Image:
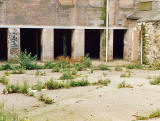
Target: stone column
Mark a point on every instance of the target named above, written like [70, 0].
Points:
[13, 43]
[78, 43]
[47, 42]
[102, 45]
[110, 45]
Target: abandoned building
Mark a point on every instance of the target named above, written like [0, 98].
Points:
[75, 28]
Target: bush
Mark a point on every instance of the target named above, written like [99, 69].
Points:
[156, 81]
[26, 60]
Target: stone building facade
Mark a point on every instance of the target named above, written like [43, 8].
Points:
[74, 28]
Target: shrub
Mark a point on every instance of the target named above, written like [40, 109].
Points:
[26, 60]
[134, 66]
[156, 81]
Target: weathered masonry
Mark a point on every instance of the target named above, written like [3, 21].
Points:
[71, 28]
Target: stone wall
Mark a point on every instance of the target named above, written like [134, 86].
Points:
[51, 12]
[152, 40]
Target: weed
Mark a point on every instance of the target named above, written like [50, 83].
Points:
[118, 68]
[6, 66]
[155, 114]
[3, 80]
[39, 73]
[19, 71]
[134, 66]
[48, 65]
[26, 60]
[123, 75]
[156, 81]
[31, 94]
[24, 88]
[83, 82]
[79, 66]
[4, 91]
[66, 75]
[104, 74]
[104, 82]
[124, 85]
[87, 61]
[39, 86]
[141, 118]
[103, 67]
[55, 69]
[52, 84]
[45, 99]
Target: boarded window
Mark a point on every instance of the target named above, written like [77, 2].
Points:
[96, 3]
[144, 6]
[66, 2]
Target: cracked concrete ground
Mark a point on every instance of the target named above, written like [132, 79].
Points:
[91, 103]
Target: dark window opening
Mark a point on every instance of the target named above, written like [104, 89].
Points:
[3, 44]
[62, 42]
[92, 43]
[31, 41]
[118, 44]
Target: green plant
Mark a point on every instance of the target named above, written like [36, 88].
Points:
[3, 80]
[6, 66]
[26, 60]
[156, 81]
[31, 94]
[66, 75]
[56, 69]
[134, 66]
[19, 71]
[52, 84]
[87, 61]
[39, 86]
[45, 99]
[104, 82]
[24, 88]
[118, 68]
[39, 73]
[79, 66]
[103, 67]
[142, 118]
[4, 91]
[124, 85]
[83, 82]
[48, 65]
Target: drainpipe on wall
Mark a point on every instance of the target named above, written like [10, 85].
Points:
[107, 28]
[141, 49]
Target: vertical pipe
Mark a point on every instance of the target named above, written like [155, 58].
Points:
[141, 48]
[107, 29]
